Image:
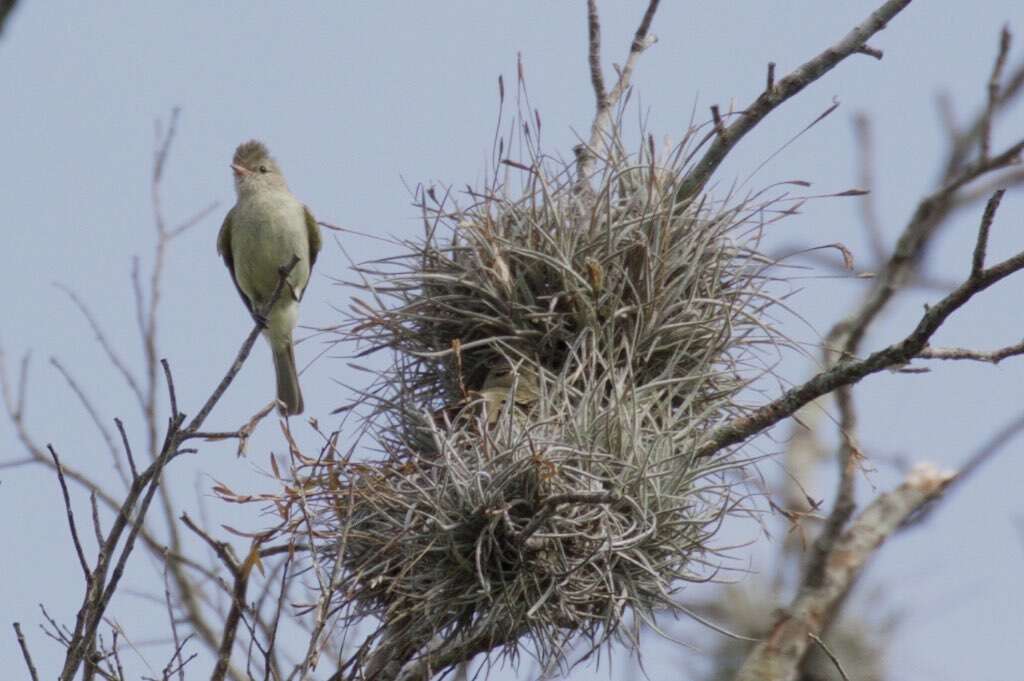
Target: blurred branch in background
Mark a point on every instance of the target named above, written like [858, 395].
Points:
[6, 7]
[958, 187]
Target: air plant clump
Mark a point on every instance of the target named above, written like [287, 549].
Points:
[560, 348]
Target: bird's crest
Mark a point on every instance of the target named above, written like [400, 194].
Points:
[251, 153]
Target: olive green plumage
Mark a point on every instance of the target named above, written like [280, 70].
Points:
[264, 229]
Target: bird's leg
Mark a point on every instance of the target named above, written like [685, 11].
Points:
[258, 310]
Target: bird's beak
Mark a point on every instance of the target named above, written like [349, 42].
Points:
[239, 170]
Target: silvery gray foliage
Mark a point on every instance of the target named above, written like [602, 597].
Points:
[560, 346]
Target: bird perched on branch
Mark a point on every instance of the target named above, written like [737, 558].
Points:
[260, 234]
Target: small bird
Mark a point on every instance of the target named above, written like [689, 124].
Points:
[500, 381]
[260, 234]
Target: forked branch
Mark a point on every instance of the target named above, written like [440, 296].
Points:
[851, 371]
[855, 42]
[779, 655]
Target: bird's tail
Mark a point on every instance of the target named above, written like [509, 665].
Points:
[288, 391]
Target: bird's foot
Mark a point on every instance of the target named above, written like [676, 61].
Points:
[260, 319]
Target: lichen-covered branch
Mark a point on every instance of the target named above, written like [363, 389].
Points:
[778, 656]
[990, 356]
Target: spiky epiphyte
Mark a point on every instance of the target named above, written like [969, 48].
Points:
[559, 354]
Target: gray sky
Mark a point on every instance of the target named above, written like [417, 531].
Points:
[355, 99]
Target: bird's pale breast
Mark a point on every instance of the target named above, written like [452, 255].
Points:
[266, 231]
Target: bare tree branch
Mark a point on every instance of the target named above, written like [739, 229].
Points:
[101, 337]
[851, 371]
[990, 356]
[25, 653]
[993, 91]
[850, 458]
[594, 56]
[189, 592]
[981, 244]
[770, 99]
[778, 656]
[601, 141]
[831, 656]
[136, 504]
[240, 575]
[849, 455]
[71, 517]
[90, 408]
[243, 352]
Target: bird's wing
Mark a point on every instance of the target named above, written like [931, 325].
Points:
[224, 249]
[313, 237]
[313, 233]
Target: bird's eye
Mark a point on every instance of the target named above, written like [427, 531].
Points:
[263, 169]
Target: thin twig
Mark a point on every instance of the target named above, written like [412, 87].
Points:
[90, 409]
[845, 498]
[831, 655]
[170, 388]
[270, 663]
[594, 55]
[25, 653]
[240, 574]
[805, 74]
[127, 448]
[173, 623]
[981, 245]
[983, 455]
[191, 222]
[965, 140]
[852, 371]
[871, 52]
[222, 549]
[71, 516]
[866, 180]
[242, 434]
[97, 527]
[846, 335]
[993, 92]
[779, 655]
[101, 337]
[990, 356]
[716, 118]
[244, 351]
[600, 144]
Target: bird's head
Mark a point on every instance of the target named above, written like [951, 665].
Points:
[255, 169]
